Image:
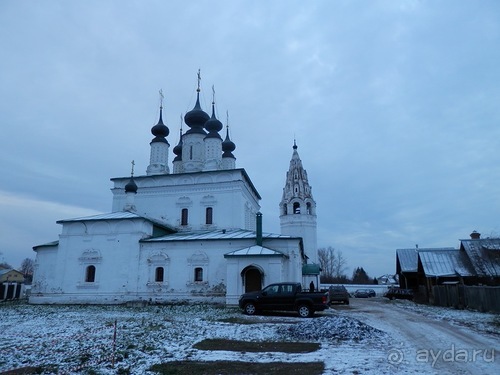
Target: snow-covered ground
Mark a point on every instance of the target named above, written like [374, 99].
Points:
[356, 339]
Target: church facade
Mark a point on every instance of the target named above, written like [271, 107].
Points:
[190, 234]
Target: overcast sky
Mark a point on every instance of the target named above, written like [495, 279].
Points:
[395, 106]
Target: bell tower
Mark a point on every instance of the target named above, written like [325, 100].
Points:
[298, 208]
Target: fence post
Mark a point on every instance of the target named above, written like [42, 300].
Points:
[114, 346]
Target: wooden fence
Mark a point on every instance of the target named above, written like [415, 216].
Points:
[481, 298]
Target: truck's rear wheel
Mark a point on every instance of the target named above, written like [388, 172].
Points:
[250, 309]
[305, 311]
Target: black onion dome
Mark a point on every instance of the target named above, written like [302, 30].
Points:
[131, 187]
[213, 125]
[196, 118]
[178, 149]
[228, 146]
[160, 130]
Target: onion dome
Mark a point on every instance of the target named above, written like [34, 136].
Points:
[228, 146]
[131, 186]
[213, 126]
[160, 130]
[196, 118]
[178, 149]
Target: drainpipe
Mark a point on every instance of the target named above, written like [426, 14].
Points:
[259, 229]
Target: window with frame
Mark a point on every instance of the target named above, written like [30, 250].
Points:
[90, 274]
[184, 216]
[159, 274]
[209, 215]
[198, 274]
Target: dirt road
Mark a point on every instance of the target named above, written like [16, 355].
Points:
[426, 338]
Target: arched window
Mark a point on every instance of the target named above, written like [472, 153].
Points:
[198, 274]
[296, 208]
[90, 274]
[159, 272]
[184, 216]
[308, 208]
[209, 215]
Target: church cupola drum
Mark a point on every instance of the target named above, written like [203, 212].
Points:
[298, 208]
[193, 145]
[158, 161]
[213, 141]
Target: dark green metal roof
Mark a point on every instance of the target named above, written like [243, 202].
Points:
[311, 269]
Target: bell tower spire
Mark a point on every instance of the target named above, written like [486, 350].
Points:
[298, 208]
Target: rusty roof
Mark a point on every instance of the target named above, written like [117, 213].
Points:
[484, 254]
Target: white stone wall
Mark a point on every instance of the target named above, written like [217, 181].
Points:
[125, 267]
[163, 197]
[305, 227]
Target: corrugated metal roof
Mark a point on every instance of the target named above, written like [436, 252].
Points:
[255, 251]
[408, 258]
[118, 215]
[484, 254]
[49, 244]
[443, 263]
[220, 234]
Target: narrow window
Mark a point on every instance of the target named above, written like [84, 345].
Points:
[208, 215]
[191, 153]
[184, 216]
[296, 208]
[90, 274]
[308, 208]
[198, 274]
[159, 274]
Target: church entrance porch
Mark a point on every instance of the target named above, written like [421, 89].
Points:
[252, 279]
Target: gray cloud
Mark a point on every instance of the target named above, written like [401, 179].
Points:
[394, 106]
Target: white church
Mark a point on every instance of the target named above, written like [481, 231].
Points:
[192, 232]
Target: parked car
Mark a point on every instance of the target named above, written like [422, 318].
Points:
[338, 293]
[398, 293]
[364, 293]
[284, 297]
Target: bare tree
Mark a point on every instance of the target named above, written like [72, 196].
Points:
[326, 257]
[5, 265]
[332, 263]
[27, 268]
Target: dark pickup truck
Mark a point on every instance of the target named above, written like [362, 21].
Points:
[284, 297]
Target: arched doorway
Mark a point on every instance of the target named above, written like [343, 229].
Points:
[252, 279]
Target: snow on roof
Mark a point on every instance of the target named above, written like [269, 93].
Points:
[445, 262]
[484, 254]
[255, 251]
